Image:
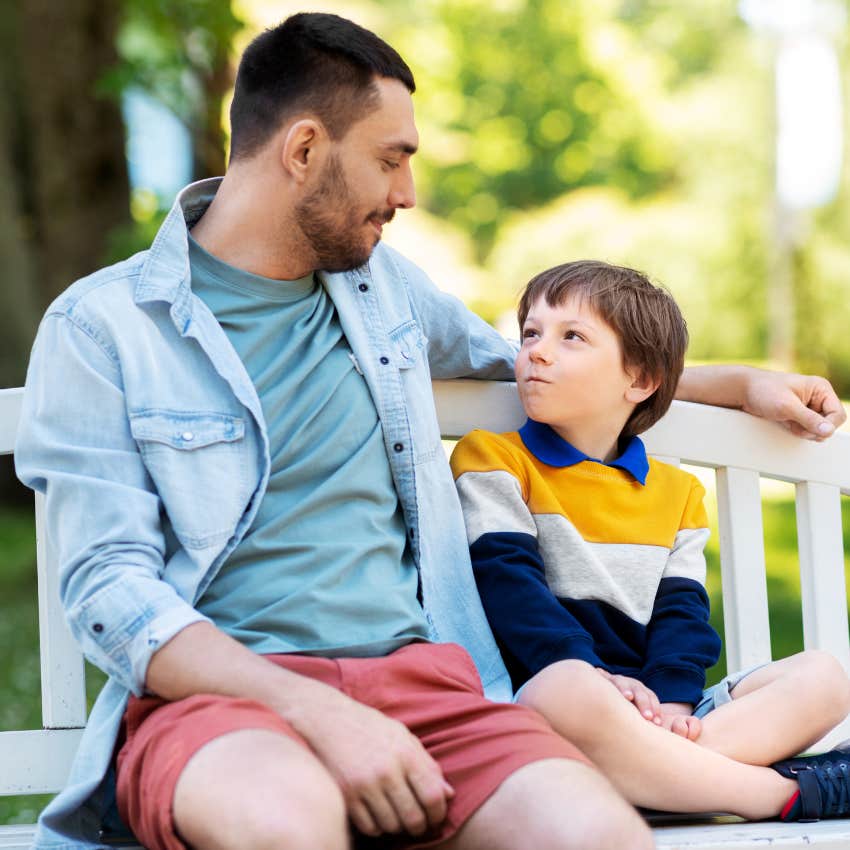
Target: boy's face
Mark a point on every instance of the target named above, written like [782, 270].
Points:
[570, 372]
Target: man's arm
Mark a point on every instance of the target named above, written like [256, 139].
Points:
[376, 761]
[804, 404]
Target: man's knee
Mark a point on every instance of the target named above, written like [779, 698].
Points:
[556, 804]
[256, 790]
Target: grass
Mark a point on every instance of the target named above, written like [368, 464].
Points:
[20, 696]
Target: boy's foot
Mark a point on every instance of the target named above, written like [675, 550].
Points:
[824, 782]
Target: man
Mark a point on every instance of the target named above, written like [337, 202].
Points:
[256, 527]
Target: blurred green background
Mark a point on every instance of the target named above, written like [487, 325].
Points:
[635, 131]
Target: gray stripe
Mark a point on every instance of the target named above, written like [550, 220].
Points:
[492, 501]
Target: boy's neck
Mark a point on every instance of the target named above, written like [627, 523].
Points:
[601, 442]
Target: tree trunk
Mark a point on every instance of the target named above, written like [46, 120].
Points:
[77, 187]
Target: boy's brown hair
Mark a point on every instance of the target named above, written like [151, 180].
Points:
[652, 331]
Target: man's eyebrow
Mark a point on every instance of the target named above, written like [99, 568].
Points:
[400, 147]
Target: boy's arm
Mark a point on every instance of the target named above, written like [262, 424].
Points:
[681, 644]
[525, 616]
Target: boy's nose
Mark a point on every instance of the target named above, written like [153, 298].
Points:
[540, 352]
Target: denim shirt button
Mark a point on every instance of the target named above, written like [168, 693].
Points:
[188, 436]
[364, 287]
[385, 360]
[97, 627]
[399, 447]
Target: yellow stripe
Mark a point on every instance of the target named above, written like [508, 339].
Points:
[605, 504]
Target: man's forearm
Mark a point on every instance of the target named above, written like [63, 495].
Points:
[203, 659]
[724, 386]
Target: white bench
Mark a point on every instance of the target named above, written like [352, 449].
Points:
[740, 449]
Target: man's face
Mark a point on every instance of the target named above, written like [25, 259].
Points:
[569, 370]
[366, 179]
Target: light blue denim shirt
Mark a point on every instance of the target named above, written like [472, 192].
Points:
[144, 431]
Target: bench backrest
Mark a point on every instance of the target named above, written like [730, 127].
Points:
[740, 449]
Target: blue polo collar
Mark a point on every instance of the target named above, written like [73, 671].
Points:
[553, 450]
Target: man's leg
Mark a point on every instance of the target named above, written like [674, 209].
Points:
[650, 766]
[258, 790]
[780, 709]
[217, 773]
[554, 805]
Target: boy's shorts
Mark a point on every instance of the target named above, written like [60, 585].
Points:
[721, 693]
[433, 689]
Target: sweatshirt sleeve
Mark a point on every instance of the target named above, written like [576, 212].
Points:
[525, 616]
[681, 644]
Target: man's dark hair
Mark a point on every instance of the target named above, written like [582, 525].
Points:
[651, 329]
[312, 62]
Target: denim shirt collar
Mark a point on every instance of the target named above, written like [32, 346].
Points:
[553, 450]
[166, 274]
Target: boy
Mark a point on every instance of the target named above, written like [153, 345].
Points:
[589, 561]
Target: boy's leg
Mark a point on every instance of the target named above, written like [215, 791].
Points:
[780, 709]
[650, 766]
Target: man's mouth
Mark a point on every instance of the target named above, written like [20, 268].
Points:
[378, 221]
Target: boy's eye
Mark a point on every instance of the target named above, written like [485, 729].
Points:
[528, 333]
[572, 335]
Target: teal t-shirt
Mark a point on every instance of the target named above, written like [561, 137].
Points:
[324, 568]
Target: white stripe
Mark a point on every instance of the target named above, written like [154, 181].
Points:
[687, 560]
[624, 575]
[492, 502]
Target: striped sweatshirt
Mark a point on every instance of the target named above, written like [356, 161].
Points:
[574, 558]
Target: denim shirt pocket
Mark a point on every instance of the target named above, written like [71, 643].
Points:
[409, 347]
[408, 344]
[198, 462]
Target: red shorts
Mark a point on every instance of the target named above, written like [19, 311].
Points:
[433, 689]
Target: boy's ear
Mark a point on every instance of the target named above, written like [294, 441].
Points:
[642, 387]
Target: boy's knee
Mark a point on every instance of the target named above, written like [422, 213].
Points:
[822, 670]
[566, 684]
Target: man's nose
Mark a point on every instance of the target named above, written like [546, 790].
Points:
[403, 191]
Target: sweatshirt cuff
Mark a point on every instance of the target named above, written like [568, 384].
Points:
[676, 684]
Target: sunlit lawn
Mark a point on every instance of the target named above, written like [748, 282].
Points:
[19, 677]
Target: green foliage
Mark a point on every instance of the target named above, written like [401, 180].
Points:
[168, 47]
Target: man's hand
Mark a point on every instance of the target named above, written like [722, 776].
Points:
[643, 699]
[389, 781]
[677, 717]
[804, 404]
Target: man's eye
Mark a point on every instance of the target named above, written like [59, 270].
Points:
[390, 163]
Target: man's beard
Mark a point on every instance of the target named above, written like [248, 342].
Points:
[329, 219]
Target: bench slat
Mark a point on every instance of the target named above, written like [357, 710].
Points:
[822, 583]
[744, 581]
[832, 834]
[10, 414]
[37, 761]
[63, 684]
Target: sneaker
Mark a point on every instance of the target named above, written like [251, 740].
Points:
[824, 782]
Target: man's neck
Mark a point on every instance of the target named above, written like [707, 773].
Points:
[249, 227]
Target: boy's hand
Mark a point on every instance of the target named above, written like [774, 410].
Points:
[677, 718]
[643, 699]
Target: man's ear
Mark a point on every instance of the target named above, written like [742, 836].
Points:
[642, 387]
[304, 144]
